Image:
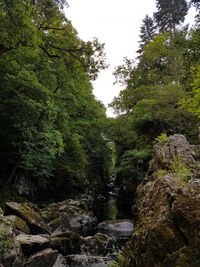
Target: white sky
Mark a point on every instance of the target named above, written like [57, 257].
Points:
[115, 23]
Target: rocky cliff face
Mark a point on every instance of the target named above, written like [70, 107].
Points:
[167, 229]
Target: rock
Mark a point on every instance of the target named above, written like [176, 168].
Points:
[185, 257]
[10, 251]
[66, 243]
[13, 257]
[44, 258]
[36, 223]
[60, 262]
[87, 261]
[18, 223]
[99, 244]
[166, 231]
[68, 215]
[33, 243]
[164, 152]
[118, 228]
[72, 243]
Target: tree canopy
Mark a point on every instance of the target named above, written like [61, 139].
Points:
[51, 123]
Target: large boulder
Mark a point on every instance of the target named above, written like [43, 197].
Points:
[66, 243]
[36, 223]
[99, 244]
[118, 228]
[33, 243]
[164, 152]
[43, 258]
[166, 231]
[68, 215]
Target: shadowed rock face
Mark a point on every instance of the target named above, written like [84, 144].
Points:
[166, 231]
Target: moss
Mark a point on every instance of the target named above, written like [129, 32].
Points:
[32, 217]
[21, 225]
[6, 242]
[160, 173]
[120, 262]
[184, 257]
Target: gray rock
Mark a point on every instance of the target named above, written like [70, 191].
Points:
[60, 262]
[119, 228]
[99, 244]
[13, 257]
[33, 243]
[67, 243]
[44, 258]
[164, 152]
[68, 215]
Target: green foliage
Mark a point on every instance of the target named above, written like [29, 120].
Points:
[119, 263]
[52, 124]
[113, 264]
[170, 13]
[162, 138]
[180, 171]
[154, 88]
[147, 31]
[6, 243]
[191, 103]
[132, 161]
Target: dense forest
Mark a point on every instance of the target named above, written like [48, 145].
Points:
[54, 133]
[60, 151]
[161, 95]
[51, 124]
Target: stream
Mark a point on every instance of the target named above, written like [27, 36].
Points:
[107, 237]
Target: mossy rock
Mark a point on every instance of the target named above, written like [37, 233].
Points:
[184, 257]
[23, 210]
[19, 224]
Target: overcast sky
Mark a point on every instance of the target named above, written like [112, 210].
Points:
[115, 23]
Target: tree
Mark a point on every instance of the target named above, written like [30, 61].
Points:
[170, 13]
[147, 31]
[51, 130]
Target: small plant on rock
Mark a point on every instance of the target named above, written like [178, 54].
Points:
[161, 138]
[6, 243]
[180, 171]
